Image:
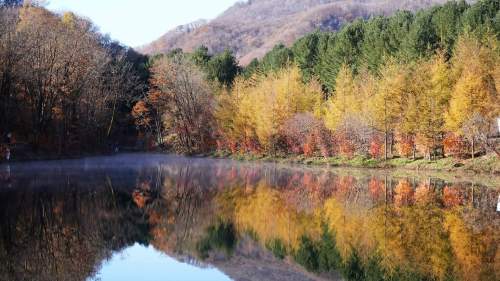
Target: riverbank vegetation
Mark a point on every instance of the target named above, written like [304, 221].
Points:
[408, 86]
[487, 164]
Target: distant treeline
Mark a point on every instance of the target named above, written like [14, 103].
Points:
[409, 84]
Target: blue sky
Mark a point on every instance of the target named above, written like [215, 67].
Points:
[147, 264]
[137, 22]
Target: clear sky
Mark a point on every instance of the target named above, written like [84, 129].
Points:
[137, 22]
[147, 264]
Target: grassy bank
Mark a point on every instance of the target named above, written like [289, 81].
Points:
[488, 164]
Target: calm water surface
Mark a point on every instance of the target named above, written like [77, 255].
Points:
[156, 217]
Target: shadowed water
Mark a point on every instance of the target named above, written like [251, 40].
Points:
[157, 217]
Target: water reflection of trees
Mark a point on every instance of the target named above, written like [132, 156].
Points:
[402, 228]
[64, 232]
[364, 225]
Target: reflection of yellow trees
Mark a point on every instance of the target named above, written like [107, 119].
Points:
[267, 214]
[476, 251]
[413, 238]
[411, 226]
[350, 226]
[421, 237]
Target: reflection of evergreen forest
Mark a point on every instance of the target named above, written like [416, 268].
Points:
[61, 226]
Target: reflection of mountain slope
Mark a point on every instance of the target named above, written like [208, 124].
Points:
[250, 262]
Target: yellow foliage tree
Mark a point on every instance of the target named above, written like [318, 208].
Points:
[389, 99]
[344, 103]
[434, 103]
[427, 102]
[260, 106]
[475, 92]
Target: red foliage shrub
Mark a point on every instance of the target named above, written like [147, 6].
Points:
[345, 145]
[454, 145]
[229, 145]
[376, 147]
[297, 133]
[303, 133]
[405, 145]
[251, 145]
[309, 148]
[324, 141]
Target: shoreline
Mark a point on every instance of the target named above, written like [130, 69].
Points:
[338, 165]
[488, 165]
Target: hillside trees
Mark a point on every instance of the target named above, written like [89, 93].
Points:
[421, 39]
[261, 107]
[305, 54]
[446, 22]
[378, 42]
[278, 58]
[8, 57]
[64, 86]
[419, 81]
[201, 56]
[388, 101]
[404, 36]
[222, 68]
[413, 81]
[474, 99]
[179, 104]
[423, 83]
[434, 94]
[481, 18]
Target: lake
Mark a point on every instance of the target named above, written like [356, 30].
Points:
[160, 217]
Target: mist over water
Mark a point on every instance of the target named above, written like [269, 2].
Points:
[185, 217]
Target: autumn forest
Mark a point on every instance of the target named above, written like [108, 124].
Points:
[117, 161]
[413, 85]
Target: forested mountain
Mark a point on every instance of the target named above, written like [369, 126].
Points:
[252, 28]
[407, 85]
